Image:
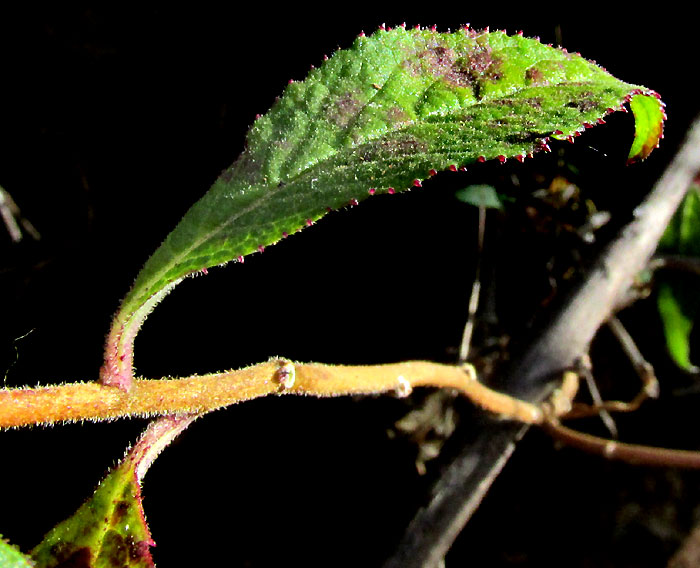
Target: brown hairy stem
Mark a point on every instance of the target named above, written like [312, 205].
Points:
[200, 394]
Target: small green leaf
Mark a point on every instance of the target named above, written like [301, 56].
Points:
[677, 327]
[109, 530]
[480, 196]
[682, 236]
[679, 294]
[10, 557]
[379, 117]
[649, 119]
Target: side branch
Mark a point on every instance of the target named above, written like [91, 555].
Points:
[200, 394]
[464, 481]
[614, 450]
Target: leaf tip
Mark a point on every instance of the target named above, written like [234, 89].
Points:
[649, 116]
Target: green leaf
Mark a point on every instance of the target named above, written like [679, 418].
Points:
[677, 325]
[379, 117]
[649, 119]
[480, 196]
[678, 296]
[10, 557]
[109, 530]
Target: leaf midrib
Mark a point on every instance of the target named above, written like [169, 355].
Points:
[274, 190]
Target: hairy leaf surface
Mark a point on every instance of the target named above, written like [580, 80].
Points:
[10, 557]
[380, 117]
[678, 298]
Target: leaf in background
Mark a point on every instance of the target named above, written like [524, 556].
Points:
[110, 529]
[480, 196]
[379, 117]
[10, 557]
[677, 325]
[679, 293]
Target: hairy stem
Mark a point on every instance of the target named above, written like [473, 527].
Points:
[199, 394]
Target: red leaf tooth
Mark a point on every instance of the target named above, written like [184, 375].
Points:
[417, 183]
[520, 157]
[309, 222]
[261, 248]
[241, 259]
[353, 202]
[453, 168]
[502, 159]
[285, 234]
[204, 271]
[481, 159]
[371, 191]
[391, 191]
[432, 173]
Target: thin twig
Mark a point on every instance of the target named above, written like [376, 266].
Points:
[649, 389]
[629, 453]
[586, 371]
[675, 262]
[645, 370]
[466, 479]
[9, 212]
[476, 289]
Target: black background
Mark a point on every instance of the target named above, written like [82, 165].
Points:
[115, 120]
